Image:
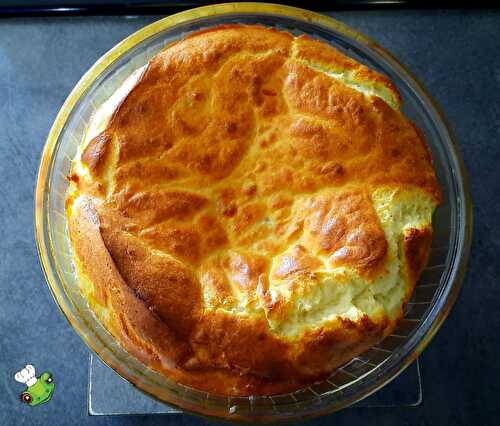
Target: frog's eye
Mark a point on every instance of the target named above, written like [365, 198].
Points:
[26, 397]
[49, 379]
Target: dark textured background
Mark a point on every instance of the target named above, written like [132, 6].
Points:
[457, 57]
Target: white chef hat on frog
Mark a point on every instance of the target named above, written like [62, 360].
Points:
[26, 375]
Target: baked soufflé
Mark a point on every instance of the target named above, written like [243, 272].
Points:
[251, 210]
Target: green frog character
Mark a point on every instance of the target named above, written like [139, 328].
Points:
[39, 390]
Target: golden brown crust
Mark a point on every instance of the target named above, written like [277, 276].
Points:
[226, 218]
[417, 246]
[345, 227]
[97, 152]
[98, 264]
[314, 51]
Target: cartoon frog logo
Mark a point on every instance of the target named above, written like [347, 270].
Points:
[39, 390]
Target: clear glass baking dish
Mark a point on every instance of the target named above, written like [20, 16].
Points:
[433, 296]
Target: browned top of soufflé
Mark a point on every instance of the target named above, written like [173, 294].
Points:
[253, 213]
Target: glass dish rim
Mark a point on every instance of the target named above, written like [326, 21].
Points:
[44, 244]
